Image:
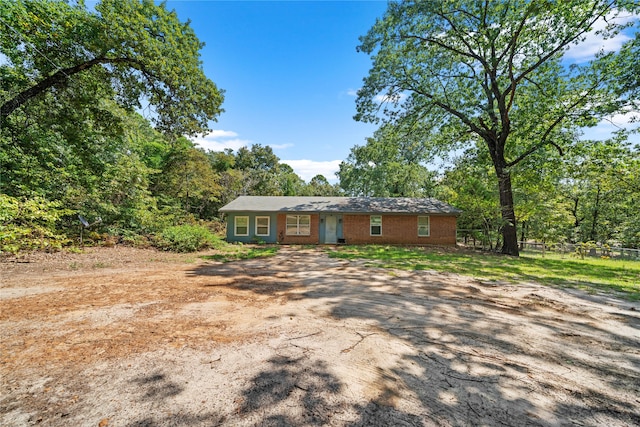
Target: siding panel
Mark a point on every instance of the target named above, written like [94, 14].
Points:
[231, 237]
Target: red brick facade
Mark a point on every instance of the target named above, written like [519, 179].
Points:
[396, 230]
[400, 230]
[312, 239]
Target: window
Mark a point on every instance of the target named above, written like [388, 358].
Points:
[298, 225]
[262, 225]
[423, 226]
[375, 223]
[241, 225]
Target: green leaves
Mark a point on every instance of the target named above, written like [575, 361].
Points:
[492, 71]
[135, 48]
[389, 165]
[30, 224]
[187, 238]
[70, 81]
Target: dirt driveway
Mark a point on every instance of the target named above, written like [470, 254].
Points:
[124, 337]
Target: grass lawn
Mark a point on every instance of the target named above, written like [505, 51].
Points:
[594, 275]
[227, 252]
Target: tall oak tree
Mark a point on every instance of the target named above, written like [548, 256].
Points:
[490, 71]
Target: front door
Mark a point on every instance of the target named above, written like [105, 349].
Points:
[331, 229]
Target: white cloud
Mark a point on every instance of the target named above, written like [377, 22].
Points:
[606, 128]
[219, 140]
[594, 43]
[624, 119]
[396, 97]
[219, 133]
[307, 169]
[280, 146]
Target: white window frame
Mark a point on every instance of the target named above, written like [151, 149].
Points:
[371, 225]
[268, 225]
[428, 226]
[297, 231]
[235, 225]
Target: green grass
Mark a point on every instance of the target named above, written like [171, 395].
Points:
[621, 277]
[227, 253]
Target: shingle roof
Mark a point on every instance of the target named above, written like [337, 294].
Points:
[339, 205]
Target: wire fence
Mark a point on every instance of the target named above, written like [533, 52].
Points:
[582, 250]
[477, 239]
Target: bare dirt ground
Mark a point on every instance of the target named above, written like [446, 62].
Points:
[124, 337]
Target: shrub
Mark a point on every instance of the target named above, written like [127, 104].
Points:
[583, 249]
[187, 238]
[135, 240]
[30, 224]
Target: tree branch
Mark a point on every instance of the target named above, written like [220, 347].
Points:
[60, 77]
[479, 131]
[457, 33]
[562, 44]
[444, 46]
[512, 48]
[556, 122]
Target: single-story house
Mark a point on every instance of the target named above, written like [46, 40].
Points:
[350, 220]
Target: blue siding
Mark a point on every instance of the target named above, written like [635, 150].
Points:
[251, 238]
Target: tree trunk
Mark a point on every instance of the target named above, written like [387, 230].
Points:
[574, 212]
[523, 234]
[509, 233]
[594, 218]
[486, 236]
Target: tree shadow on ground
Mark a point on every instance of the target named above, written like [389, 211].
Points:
[298, 383]
[473, 360]
[299, 391]
[157, 389]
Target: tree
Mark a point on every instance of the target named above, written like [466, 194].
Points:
[389, 165]
[222, 161]
[258, 158]
[187, 177]
[490, 72]
[320, 186]
[70, 81]
[289, 182]
[625, 71]
[265, 175]
[602, 191]
[136, 49]
[467, 186]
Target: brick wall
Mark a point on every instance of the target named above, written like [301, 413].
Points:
[396, 229]
[399, 229]
[312, 239]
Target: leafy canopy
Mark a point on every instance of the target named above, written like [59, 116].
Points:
[390, 164]
[492, 72]
[139, 50]
[491, 69]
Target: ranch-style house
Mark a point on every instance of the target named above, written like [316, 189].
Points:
[350, 220]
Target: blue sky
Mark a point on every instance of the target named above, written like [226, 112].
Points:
[290, 71]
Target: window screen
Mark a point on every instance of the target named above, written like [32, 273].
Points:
[423, 226]
[375, 223]
[241, 226]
